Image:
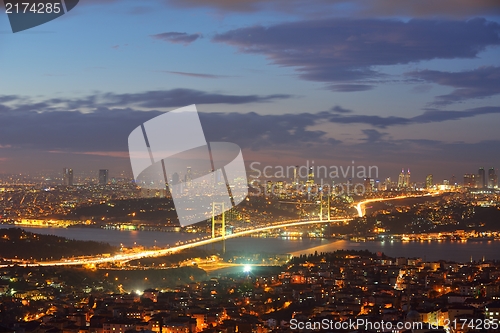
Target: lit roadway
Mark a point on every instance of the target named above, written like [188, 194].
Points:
[162, 252]
[360, 206]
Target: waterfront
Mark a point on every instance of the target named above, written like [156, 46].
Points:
[435, 250]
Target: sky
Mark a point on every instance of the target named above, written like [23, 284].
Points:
[388, 83]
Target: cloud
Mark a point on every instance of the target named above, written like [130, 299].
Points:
[386, 8]
[477, 83]
[106, 130]
[339, 109]
[106, 123]
[348, 51]
[429, 116]
[156, 99]
[177, 37]
[180, 97]
[373, 135]
[197, 75]
[350, 87]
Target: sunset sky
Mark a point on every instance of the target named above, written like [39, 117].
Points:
[413, 84]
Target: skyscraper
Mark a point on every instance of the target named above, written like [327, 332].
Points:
[492, 178]
[388, 184]
[407, 179]
[295, 179]
[310, 176]
[103, 176]
[68, 177]
[429, 181]
[401, 179]
[367, 185]
[481, 178]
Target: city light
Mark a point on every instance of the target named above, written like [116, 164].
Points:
[247, 268]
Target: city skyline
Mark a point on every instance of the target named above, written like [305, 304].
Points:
[402, 181]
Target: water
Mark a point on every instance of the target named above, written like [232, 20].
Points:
[447, 250]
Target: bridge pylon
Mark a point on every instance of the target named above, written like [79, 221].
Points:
[222, 222]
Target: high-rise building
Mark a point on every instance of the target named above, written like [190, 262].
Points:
[429, 181]
[470, 180]
[68, 177]
[388, 184]
[453, 180]
[407, 179]
[295, 179]
[492, 178]
[103, 176]
[401, 179]
[367, 185]
[310, 176]
[481, 178]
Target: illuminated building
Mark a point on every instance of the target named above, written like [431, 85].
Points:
[310, 176]
[269, 187]
[401, 179]
[388, 184]
[368, 185]
[404, 179]
[68, 177]
[295, 176]
[492, 178]
[481, 178]
[103, 176]
[407, 179]
[429, 181]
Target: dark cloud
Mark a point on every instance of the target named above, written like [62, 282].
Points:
[429, 116]
[47, 125]
[105, 129]
[376, 121]
[350, 87]
[478, 83]
[197, 75]
[157, 99]
[385, 8]
[397, 8]
[44, 124]
[177, 37]
[339, 109]
[343, 51]
[373, 135]
[251, 130]
[181, 97]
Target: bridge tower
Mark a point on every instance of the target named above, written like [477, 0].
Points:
[321, 207]
[222, 222]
